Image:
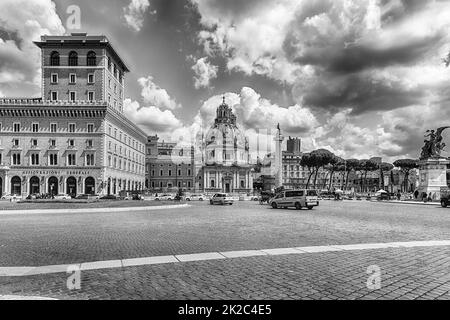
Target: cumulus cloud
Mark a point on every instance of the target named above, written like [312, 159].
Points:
[134, 13]
[250, 34]
[350, 60]
[150, 118]
[155, 95]
[204, 73]
[22, 22]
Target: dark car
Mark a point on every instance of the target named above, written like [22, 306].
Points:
[136, 197]
[109, 197]
[445, 197]
[384, 196]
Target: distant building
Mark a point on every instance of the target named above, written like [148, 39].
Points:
[164, 169]
[74, 139]
[227, 166]
[294, 145]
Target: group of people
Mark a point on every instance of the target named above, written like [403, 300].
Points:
[424, 196]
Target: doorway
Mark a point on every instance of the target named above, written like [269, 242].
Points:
[227, 187]
[34, 185]
[71, 187]
[53, 186]
[89, 185]
[16, 185]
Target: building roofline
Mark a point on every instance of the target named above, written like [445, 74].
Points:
[80, 39]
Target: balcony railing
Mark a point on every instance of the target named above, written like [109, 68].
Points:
[41, 102]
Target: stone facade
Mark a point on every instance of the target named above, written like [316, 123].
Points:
[72, 144]
[227, 166]
[168, 167]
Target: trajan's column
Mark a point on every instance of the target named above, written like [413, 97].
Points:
[278, 158]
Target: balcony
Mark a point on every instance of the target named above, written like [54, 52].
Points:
[41, 102]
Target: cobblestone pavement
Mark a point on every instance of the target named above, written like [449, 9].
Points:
[407, 273]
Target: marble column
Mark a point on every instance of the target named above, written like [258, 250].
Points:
[6, 183]
[246, 180]
[204, 179]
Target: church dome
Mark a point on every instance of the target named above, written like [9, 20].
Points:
[225, 143]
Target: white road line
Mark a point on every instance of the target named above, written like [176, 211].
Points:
[148, 261]
[199, 256]
[243, 253]
[182, 258]
[101, 265]
[92, 210]
[14, 297]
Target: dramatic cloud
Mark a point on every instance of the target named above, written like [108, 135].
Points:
[204, 73]
[22, 22]
[347, 60]
[250, 34]
[155, 95]
[151, 119]
[257, 113]
[134, 13]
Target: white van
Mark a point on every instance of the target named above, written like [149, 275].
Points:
[301, 198]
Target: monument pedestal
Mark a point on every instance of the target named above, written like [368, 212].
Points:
[433, 176]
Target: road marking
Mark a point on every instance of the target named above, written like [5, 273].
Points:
[96, 265]
[11, 297]
[280, 251]
[199, 256]
[182, 258]
[93, 210]
[317, 249]
[243, 253]
[148, 261]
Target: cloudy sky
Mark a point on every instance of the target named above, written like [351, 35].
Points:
[361, 78]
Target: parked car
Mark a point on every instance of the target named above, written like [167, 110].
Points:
[445, 197]
[11, 197]
[383, 196]
[62, 196]
[195, 197]
[221, 198]
[109, 197]
[295, 198]
[136, 196]
[87, 197]
[163, 197]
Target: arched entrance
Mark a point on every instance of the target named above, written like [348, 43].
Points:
[71, 186]
[35, 185]
[53, 186]
[16, 185]
[89, 185]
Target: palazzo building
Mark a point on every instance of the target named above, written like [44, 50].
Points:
[226, 166]
[169, 166]
[75, 139]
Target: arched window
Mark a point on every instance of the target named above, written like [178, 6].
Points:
[54, 58]
[91, 58]
[73, 58]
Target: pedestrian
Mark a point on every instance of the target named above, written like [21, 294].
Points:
[429, 197]
[399, 195]
[416, 194]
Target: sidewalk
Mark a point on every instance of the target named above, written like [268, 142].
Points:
[92, 210]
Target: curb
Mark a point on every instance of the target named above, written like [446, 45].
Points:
[410, 202]
[11, 297]
[92, 210]
[222, 255]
